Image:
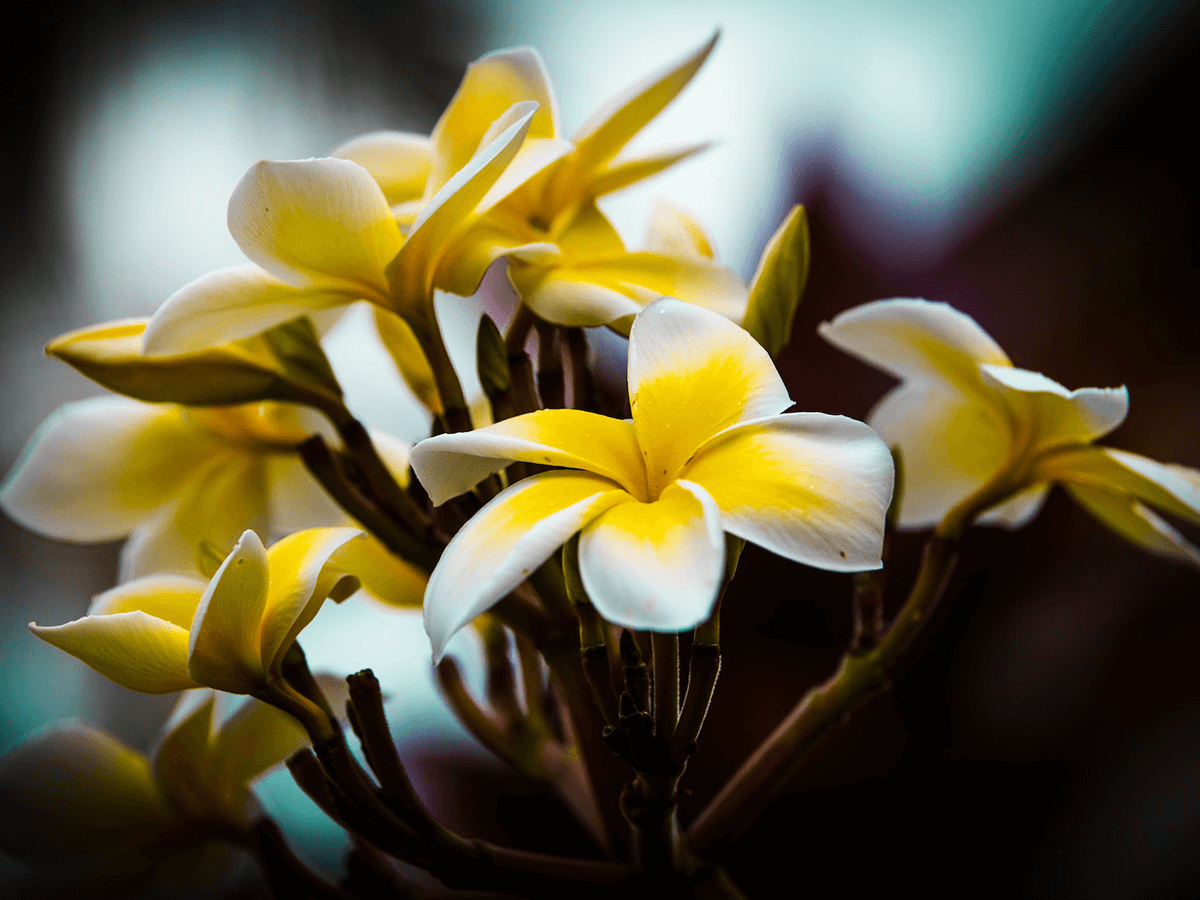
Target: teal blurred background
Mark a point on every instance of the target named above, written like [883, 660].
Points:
[1027, 162]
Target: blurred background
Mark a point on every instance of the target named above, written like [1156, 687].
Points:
[1024, 161]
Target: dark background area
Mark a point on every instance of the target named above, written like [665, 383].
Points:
[1044, 738]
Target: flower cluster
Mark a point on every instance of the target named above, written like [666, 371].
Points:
[576, 538]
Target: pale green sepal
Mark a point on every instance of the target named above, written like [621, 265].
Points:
[779, 283]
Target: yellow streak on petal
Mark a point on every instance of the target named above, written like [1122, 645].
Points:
[172, 598]
[399, 161]
[316, 223]
[810, 487]
[134, 649]
[692, 374]
[300, 582]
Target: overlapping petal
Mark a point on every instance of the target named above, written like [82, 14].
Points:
[655, 565]
[224, 643]
[692, 375]
[1054, 415]
[94, 469]
[1135, 522]
[301, 580]
[235, 303]
[917, 340]
[1173, 489]
[810, 487]
[450, 464]
[492, 84]
[316, 223]
[506, 541]
[949, 446]
[399, 161]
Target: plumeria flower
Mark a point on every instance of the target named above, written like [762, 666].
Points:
[321, 235]
[966, 420]
[567, 261]
[707, 452]
[182, 482]
[79, 801]
[166, 633]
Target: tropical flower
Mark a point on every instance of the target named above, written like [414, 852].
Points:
[707, 452]
[567, 261]
[182, 482]
[80, 801]
[166, 633]
[322, 235]
[967, 421]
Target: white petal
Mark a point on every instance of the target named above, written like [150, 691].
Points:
[505, 541]
[810, 487]
[450, 464]
[1136, 523]
[949, 447]
[231, 304]
[97, 468]
[1018, 510]
[1056, 415]
[1173, 489]
[916, 339]
[655, 566]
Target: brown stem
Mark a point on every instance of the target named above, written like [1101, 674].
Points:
[665, 649]
[551, 386]
[583, 385]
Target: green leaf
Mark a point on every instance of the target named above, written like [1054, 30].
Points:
[779, 283]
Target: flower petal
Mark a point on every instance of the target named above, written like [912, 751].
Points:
[674, 232]
[692, 374]
[172, 598]
[1132, 520]
[383, 575]
[450, 464]
[810, 487]
[949, 447]
[1173, 489]
[300, 583]
[183, 759]
[223, 652]
[1018, 510]
[778, 284]
[655, 566]
[254, 739]
[231, 304]
[97, 468]
[916, 339]
[226, 494]
[505, 541]
[491, 85]
[399, 161]
[1055, 415]
[612, 126]
[74, 796]
[406, 352]
[316, 223]
[134, 649]
[630, 170]
[411, 272]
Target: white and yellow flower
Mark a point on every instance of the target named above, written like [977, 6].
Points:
[567, 261]
[965, 420]
[166, 633]
[707, 452]
[80, 801]
[321, 235]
